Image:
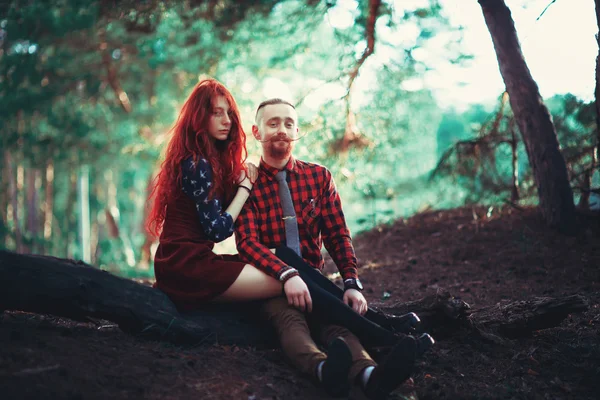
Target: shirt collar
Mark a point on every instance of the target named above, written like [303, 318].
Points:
[291, 166]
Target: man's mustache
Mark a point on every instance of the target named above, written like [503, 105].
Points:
[279, 138]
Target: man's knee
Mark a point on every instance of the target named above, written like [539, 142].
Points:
[280, 313]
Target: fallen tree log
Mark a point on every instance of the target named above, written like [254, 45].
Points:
[73, 289]
[444, 314]
[521, 318]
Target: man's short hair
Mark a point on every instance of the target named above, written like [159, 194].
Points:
[270, 102]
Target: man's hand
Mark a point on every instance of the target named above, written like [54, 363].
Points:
[297, 294]
[356, 300]
[248, 179]
[252, 172]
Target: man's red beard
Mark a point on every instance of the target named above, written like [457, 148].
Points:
[279, 148]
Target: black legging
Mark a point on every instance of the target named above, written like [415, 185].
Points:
[327, 300]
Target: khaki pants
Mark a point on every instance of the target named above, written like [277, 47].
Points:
[298, 345]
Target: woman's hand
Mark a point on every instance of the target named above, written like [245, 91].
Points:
[297, 294]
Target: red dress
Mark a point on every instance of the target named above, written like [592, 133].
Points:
[185, 266]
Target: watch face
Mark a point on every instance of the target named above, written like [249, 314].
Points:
[353, 284]
[359, 284]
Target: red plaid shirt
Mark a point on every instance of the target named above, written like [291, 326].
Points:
[318, 207]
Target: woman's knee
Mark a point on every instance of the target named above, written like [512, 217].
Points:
[251, 284]
[254, 276]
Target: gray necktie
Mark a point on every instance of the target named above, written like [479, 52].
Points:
[292, 238]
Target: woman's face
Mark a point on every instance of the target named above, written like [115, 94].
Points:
[219, 123]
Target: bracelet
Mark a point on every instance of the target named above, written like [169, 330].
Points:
[245, 187]
[287, 275]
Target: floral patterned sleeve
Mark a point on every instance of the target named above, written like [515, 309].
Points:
[196, 183]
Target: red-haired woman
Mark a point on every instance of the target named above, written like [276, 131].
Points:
[199, 192]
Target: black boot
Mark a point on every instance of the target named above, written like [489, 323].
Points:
[334, 375]
[397, 366]
[402, 324]
[424, 343]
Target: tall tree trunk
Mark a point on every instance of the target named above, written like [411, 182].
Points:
[20, 208]
[94, 239]
[586, 184]
[96, 223]
[584, 200]
[149, 239]
[17, 199]
[514, 194]
[83, 196]
[69, 211]
[596, 154]
[4, 199]
[49, 205]
[13, 201]
[113, 222]
[32, 198]
[533, 119]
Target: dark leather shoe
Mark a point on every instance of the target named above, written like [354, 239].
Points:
[399, 324]
[424, 343]
[395, 369]
[404, 323]
[336, 368]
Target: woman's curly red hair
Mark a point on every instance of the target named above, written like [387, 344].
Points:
[191, 139]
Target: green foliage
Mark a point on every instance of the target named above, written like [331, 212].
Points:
[480, 159]
[575, 123]
[100, 83]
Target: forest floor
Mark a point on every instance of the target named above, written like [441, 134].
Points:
[482, 257]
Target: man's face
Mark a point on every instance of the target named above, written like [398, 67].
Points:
[277, 128]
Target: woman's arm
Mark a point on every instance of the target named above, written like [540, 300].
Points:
[243, 191]
[197, 182]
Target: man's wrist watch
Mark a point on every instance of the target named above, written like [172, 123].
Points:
[353, 283]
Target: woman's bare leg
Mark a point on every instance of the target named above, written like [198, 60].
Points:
[251, 284]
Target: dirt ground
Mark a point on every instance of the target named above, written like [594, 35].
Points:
[484, 256]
